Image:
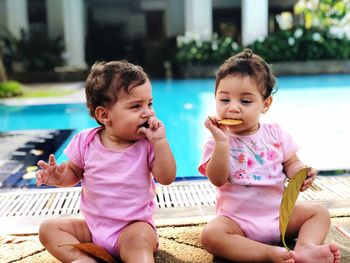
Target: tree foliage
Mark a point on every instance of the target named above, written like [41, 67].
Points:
[323, 13]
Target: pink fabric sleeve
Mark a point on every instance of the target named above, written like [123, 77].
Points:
[289, 147]
[207, 151]
[75, 149]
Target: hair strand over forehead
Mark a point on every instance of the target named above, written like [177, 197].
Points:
[246, 63]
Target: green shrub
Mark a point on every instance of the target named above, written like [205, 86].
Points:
[38, 51]
[35, 49]
[10, 89]
[297, 44]
[204, 52]
[301, 44]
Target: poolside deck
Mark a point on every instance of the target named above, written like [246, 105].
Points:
[183, 208]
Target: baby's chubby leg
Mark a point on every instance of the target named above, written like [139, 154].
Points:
[310, 224]
[137, 243]
[59, 231]
[224, 238]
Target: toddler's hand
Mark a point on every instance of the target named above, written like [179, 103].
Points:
[50, 173]
[311, 175]
[155, 131]
[218, 133]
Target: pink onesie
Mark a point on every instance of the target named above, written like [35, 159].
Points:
[253, 194]
[117, 186]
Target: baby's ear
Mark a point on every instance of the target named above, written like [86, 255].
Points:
[102, 115]
[267, 104]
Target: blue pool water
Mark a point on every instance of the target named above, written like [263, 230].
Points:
[302, 104]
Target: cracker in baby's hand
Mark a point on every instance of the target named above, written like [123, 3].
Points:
[227, 121]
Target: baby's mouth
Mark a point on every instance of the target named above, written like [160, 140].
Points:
[145, 125]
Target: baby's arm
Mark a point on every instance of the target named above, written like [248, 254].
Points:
[63, 175]
[293, 165]
[164, 167]
[217, 168]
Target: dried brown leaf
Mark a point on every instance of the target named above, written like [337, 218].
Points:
[94, 250]
[289, 198]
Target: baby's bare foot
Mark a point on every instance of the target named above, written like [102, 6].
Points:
[281, 255]
[309, 253]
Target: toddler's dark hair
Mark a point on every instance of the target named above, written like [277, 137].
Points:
[107, 79]
[246, 63]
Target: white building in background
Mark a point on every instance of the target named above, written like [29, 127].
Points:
[249, 19]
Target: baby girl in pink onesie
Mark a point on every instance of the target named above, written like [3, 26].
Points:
[115, 164]
[249, 163]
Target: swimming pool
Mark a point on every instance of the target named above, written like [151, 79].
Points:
[313, 109]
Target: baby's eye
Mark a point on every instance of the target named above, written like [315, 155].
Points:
[225, 100]
[245, 101]
[135, 106]
[150, 105]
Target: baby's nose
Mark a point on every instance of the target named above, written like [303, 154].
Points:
[235, 108]
[147, 113]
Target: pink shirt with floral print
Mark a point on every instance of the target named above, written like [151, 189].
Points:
[256, 181]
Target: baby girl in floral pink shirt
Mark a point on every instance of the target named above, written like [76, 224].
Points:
[249, 164]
